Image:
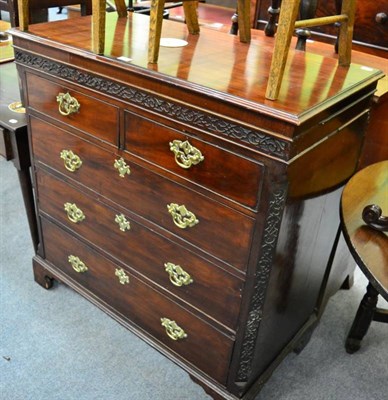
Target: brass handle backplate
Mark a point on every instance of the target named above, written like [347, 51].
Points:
[74, 213]
[122, 222]
[186, 155]
[67, 104]
[78, 265]
[178, 276]
[123, 277]
[174, 331]
[71, 160]
[122, 167]
[182, 217]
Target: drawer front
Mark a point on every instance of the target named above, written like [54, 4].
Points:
[204, 346]
[93, 116]
[180, 272]
[218, 170]
[221, 231]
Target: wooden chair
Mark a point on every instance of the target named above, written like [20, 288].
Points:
[287, 24]
[191, 16]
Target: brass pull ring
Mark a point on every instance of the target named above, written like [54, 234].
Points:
[71, 161]
[173, 331]
[78, 265]
[186, 155]
[74, 213]
[182, 217]
[123, 277]
[178, 276]
[67, 104]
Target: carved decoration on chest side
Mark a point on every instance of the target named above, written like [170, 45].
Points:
[196, 118]
[262, 274]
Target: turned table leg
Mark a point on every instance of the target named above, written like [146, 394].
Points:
[362, 320]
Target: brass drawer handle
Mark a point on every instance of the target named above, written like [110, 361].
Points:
[122, 167]
[174, 331]
[123, 223]
[74, 213]
[182, 217]
[186, 155]
[178, 276]
[71, 160]
[67, 104]
[78, 265]
[123, 277]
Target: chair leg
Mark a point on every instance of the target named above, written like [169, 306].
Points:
[98, 24]
[190, 9]
[273, 10]
[121, 8]
[23, 9]
[244, 20]
[288, 14]
[155, 30]
[362, 320]
[346, 33]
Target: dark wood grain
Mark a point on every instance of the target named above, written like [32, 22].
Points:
[221, 171]
[43, 98]
[213, 291]
[212, 348]
[148, 194]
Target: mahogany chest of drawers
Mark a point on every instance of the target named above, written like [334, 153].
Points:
[177, 199]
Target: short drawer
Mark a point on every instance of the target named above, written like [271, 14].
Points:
[178, 271]
[220, 231]
[194, 339]
[219, 170]
[94, 117]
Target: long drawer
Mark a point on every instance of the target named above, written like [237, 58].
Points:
[92, 116]
[209, 225]
[221, 171]
[192, 338]
[182, 273]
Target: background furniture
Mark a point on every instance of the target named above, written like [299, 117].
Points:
[287, 24]
[370, 27]
[14, 140]
[364, 205]
[37, 9]
[10, 6]
[192, 211]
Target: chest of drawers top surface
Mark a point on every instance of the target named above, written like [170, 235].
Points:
[214, 71]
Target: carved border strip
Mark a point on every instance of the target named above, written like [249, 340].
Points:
[262, 274]
[196, 118]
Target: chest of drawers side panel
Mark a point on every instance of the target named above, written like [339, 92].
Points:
[300, 231]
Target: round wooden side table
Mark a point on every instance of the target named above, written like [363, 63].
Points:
[364, 206]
